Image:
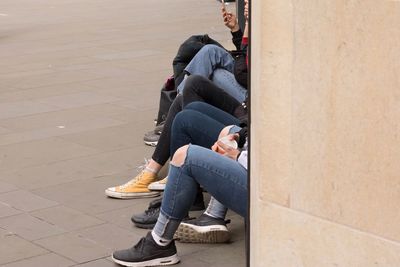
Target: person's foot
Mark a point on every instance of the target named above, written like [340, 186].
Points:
[147, 253]
[135, 188]
[151, 138]
[205, 229]
[149, 217]
[158, 185]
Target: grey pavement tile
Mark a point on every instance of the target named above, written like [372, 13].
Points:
[50, 174]
[111, 236]
[86, 195]
[188, 261]
[135, 116]
[16, 156]
[115, 162]
[63, 117]
[6, 187]
[25, 201]
[74, 247]
[79, 99]
[128, 54]
[53, 79]
[122, 217]
[14, 248]
[220, 256]
[98, 263]
[111, 138]
[56, 131]
[66, 218]
[28, 227]
[46, 260]
[4, 130]
[6, 210]
[23, 108]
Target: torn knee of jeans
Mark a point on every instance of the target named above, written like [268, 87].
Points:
[179, 157]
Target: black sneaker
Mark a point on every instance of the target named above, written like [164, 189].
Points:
[149, 217]
[204, 229]
[147, 253]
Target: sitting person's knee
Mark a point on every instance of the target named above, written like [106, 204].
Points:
[193, 79]
[180, 155]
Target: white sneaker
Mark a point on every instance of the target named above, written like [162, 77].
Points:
[159, 185]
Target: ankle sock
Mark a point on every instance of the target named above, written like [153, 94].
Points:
[159, 240]
[148, 169]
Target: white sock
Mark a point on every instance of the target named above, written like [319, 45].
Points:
[208, 214]
[148, 169]
[159, 240]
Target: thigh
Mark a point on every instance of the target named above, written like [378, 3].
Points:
[225, 179]
[214, 113]
[202, 89]
[193, 127]
[226, 81]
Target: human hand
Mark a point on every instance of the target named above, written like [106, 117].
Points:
[230, 20]
[246, 9]
[223, 147]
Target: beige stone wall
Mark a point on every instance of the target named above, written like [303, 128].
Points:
[325, 158]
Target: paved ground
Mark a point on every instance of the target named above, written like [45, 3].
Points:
[79, 83]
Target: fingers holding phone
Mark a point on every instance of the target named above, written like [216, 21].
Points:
[227, 146]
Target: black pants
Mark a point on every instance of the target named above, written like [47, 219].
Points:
[197, 88]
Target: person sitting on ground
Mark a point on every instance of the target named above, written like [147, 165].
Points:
[138, 186]
[223, 174]
[200, 124]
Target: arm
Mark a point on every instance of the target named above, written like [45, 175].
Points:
[230, 21]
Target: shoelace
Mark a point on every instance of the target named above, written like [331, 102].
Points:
[152, 211]
[139, 177]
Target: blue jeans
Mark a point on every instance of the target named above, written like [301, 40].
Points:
[200, 124]
[217, 64]
[225, 179]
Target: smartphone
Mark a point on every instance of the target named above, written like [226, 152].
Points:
[226, 141]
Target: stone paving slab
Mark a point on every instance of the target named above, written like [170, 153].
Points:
[79, 86]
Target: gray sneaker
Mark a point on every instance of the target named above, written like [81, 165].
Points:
[151, 138]
[204, 229]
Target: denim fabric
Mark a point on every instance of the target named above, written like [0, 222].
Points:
[199, 124]
[209, 58]
[225, 179]
[200, 89]
[226, 80]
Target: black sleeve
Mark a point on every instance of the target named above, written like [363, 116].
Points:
[242, 137]
[237, 39]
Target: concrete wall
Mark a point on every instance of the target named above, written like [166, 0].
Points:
[325, 158]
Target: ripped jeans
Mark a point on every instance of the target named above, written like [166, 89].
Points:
[225, 179]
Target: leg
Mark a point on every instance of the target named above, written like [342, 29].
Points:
[226, 80]
[199, 88]
[209, 58]
[223, 178]
[192, 126]
[162, 153]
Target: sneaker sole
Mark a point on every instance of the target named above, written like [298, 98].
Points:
[151, 143]
[144, 225]
[174, 259]
[156, 187]
[189, 233]
[120, 195]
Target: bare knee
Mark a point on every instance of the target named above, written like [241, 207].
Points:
[179, 157]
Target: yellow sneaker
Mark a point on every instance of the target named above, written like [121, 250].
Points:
[159, 185]
[135, 188]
